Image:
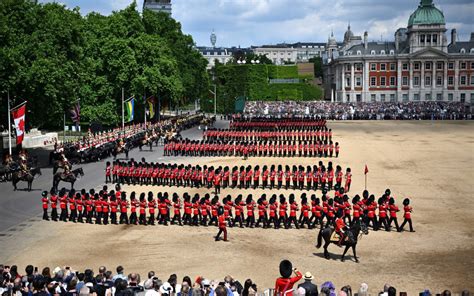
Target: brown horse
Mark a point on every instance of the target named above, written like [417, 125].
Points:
[28, 177]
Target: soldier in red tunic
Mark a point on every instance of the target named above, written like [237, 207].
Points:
[142, 204]
[54, 204]
[176, 210]
[393, 213]
[123, 204]
[45, 202]
[108, 172]
[305, 212]
[222, 225]
[383, 214]
[262, 211]
[151, 208]
[250, 204]
[239, 211]
[408, 210]
[293, 210]
[284, 284]
[187, 220]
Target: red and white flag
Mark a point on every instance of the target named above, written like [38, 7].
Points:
[366, 170]
[19, 119]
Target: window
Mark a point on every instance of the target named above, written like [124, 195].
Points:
[405, 97]
[392, 67]
[463, 50]
[472, 65]
[450, 80]
[382, 98]
[439, 80]
[435, 38]
[348, 98]
[451, 66]
[427, 97]
[450, 97]
[427, 66]
[428, 81]
[358, 98]
[439, 66]
[472, 79]
[373, 67]
[392, 81]
[416, 81]
[422, 38]
[405, 81]
[416, 97]
[382, 52]
[428, 38]
[348, 81]
[372, 98]
[358, 81]
[392, 98]
[439, 97]
[392, 52]
[383, 81]
[359, 52]
[472, 98]
[463, 98]
[463, 80]
[417, 66]
[373, 81]
[348, 67]
[358, 67]
[405, 66]
[383, 67]
[372, 52]
[463, 65]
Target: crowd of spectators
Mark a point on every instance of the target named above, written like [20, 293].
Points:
[423, 110]
[64, 281]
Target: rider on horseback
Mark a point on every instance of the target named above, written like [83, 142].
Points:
[66, 166]
[24, 170]
[341, 227]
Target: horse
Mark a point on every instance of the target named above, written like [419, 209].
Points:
[71, 178]
[352, 235]
[26, 177]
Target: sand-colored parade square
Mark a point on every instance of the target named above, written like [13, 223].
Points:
[429, 162]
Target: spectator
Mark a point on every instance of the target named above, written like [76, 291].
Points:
[133, 282]
[185, 289]
[119, 274]
[39, 287]
[152, 287]
[328, 289]
[392, 291]
[363, 290]
[445, 293]
[311, 289]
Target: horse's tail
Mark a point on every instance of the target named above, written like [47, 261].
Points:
[320, 238]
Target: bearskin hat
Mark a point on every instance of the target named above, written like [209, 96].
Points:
[286, 268]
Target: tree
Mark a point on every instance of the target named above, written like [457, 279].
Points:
[318, 66]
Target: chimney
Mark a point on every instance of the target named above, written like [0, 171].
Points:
[454, 36]
[366, 40]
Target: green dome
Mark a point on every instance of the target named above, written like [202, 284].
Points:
[427, 14]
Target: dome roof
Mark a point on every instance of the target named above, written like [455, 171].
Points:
[348, 35]
[427, 14]
[332, 40]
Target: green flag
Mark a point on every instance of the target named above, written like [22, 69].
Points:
[129, 110]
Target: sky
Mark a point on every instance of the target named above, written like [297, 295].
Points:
[257, 22]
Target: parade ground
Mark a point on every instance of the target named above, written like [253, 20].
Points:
[431, 162]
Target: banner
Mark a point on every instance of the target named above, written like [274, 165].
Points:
[129, 110]
[76, 114]
[19, 120]
[151, 106]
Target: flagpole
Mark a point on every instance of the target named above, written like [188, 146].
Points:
[123, 113]
[9, 125]
[64, 128]
[366, 181]
[144, 96]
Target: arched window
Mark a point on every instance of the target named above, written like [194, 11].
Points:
[472, 50]
[392, 52]
[359, 52]
[349, 53]
[463, 50]
[382, 52]
[372, 52]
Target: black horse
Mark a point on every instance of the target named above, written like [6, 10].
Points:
[71, 178]
[352, 235]
[29, 177]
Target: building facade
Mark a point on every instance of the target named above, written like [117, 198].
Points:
[419, 65]
[158, 5]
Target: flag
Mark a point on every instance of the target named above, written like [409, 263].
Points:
[366, 170]
[151, 106]
[76, 113]
[129, 110]
[19, 119]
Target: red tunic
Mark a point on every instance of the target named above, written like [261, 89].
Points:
[282, 284]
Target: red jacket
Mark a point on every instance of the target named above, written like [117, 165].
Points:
[282, 284]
